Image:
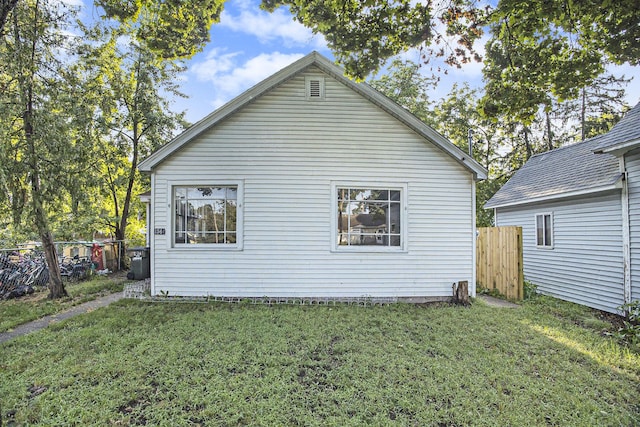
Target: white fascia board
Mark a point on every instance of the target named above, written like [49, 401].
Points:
[619, 149]
[553, 197]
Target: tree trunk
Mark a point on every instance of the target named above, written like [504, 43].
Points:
[549, 132]
[121, 228]
[6, 6]
[527, 144]
[56, 287]
[461, 292]
[583, 115]
[122, 249]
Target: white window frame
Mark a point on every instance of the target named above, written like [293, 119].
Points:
[394, 186]
[172, 185]
[545, 244]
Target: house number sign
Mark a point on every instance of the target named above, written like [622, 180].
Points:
[159, 232]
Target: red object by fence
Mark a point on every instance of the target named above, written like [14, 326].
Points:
[96, 256]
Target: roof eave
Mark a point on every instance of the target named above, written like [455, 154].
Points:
[617, 184]
[620, 148]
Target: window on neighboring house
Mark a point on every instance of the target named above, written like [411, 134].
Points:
[370, 217]
[206, 215]
[544, 230]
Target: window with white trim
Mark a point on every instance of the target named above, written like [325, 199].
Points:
[544, 230]
[370, 217]
[205, 215]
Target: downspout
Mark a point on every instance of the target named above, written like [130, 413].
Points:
[474, 238]
[472, 287]
[626, 239]
[148, 224]
[151, 233]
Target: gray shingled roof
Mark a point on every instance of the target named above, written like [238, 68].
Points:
[570, 169]
[626, 130]
[564, 170]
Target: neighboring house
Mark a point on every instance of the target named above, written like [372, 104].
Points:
[311, 185]
[579, 209]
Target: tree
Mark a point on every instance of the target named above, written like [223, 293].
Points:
[170, 29]
[457, 117]
[600, 105]
[363, 34]
[404, 84]
[6, 6]
[38, 103]
[544, 50]
[133, 117]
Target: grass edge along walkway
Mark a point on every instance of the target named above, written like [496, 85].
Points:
[45, 321]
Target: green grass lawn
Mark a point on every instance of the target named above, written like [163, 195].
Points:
[17, 311]
[137, 363]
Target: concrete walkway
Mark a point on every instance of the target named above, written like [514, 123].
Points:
[497, 302]
[43, 322]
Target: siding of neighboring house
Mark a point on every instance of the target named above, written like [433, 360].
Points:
[632, 160]
[585, 265]
[288, 151]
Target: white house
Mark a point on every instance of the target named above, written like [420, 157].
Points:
[310, 185]
[579, 209]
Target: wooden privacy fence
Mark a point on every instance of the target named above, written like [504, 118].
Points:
[499, 260]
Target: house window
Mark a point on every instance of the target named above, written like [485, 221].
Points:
[369, 217]
[544, 230]
[206, 215]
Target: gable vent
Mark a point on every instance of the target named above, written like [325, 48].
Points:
[314, 88]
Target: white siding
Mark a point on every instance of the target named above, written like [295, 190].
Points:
[633, 172]
[288, 151]
[585, 265]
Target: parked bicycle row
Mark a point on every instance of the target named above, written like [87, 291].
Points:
[22, 272]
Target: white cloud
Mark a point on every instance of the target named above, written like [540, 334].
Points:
[229, 78]
[278, 26]
[215, 63]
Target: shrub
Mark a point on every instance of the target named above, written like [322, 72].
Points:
[530, 290]
[629, 333]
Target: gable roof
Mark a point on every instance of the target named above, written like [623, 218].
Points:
[624, 136]
[563, 172]
[586, 167]
[317, 60]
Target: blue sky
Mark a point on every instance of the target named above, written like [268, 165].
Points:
[249, 44]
